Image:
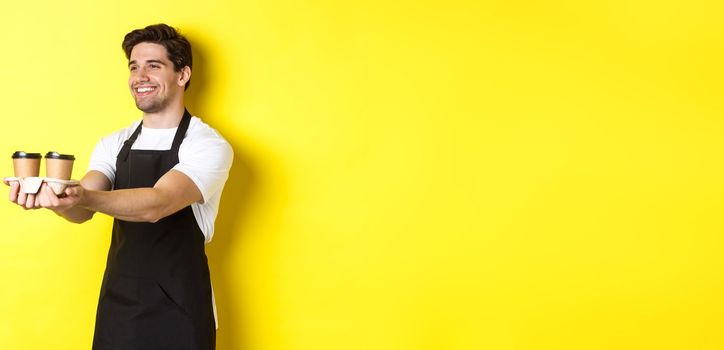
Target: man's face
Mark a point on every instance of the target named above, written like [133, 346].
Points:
[153, 81]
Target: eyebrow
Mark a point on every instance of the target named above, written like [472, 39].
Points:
[149, 61]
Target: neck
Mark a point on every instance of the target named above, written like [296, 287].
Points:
[169, 117]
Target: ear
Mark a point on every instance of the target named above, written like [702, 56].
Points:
[184, 77]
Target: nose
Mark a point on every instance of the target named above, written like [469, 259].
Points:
[140, 74]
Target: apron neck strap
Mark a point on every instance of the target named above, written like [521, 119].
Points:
[181, 131]
[177, 139]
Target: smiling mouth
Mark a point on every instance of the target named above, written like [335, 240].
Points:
[144, 90]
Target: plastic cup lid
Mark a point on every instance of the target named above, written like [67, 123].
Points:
[56, 155]
[21, 154]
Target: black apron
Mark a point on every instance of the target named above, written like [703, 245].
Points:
[156, 291]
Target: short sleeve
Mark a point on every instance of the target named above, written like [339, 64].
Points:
[103, 159]
[206, 159]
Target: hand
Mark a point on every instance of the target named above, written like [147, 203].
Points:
[27, 201]
[46, 198]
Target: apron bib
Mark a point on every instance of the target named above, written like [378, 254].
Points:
[156, 290]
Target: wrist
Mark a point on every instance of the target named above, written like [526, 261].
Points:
[83, 197]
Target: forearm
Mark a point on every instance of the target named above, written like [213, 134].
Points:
[76, 215]
[138, 204]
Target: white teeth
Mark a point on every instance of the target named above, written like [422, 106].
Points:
[144, 89]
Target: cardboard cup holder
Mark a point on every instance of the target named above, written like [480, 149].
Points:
[31, 185]
[58, 168]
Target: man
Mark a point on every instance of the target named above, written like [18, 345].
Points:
[161, 179]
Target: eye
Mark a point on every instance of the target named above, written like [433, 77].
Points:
[155, 66]
[132, 68]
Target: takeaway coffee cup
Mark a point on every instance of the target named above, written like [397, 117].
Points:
[58, 166]
[26, 164]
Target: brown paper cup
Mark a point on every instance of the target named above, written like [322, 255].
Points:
[58, 166]
[26, 164]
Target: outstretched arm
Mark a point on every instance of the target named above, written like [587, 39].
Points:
[173, 192]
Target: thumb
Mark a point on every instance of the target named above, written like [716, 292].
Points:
[71, 191]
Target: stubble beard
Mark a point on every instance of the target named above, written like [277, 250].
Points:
[153, 106]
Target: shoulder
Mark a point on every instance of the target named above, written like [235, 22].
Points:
[112, 143]
[205, 157]
[203, 136]
[198, 129]
[116, 139]
[103, 158]
[202, 139]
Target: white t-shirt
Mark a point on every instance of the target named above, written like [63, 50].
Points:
[204, 156]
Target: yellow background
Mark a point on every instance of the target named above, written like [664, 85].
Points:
[408, 174]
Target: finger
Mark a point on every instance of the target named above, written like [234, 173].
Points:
[14, 189]
[30, 201]
[43, 199]
[21, 198]
[48, 199]
[37, 202]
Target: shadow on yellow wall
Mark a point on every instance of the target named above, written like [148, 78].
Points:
[240, 194]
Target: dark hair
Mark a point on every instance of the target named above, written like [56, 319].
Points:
[177, 46]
